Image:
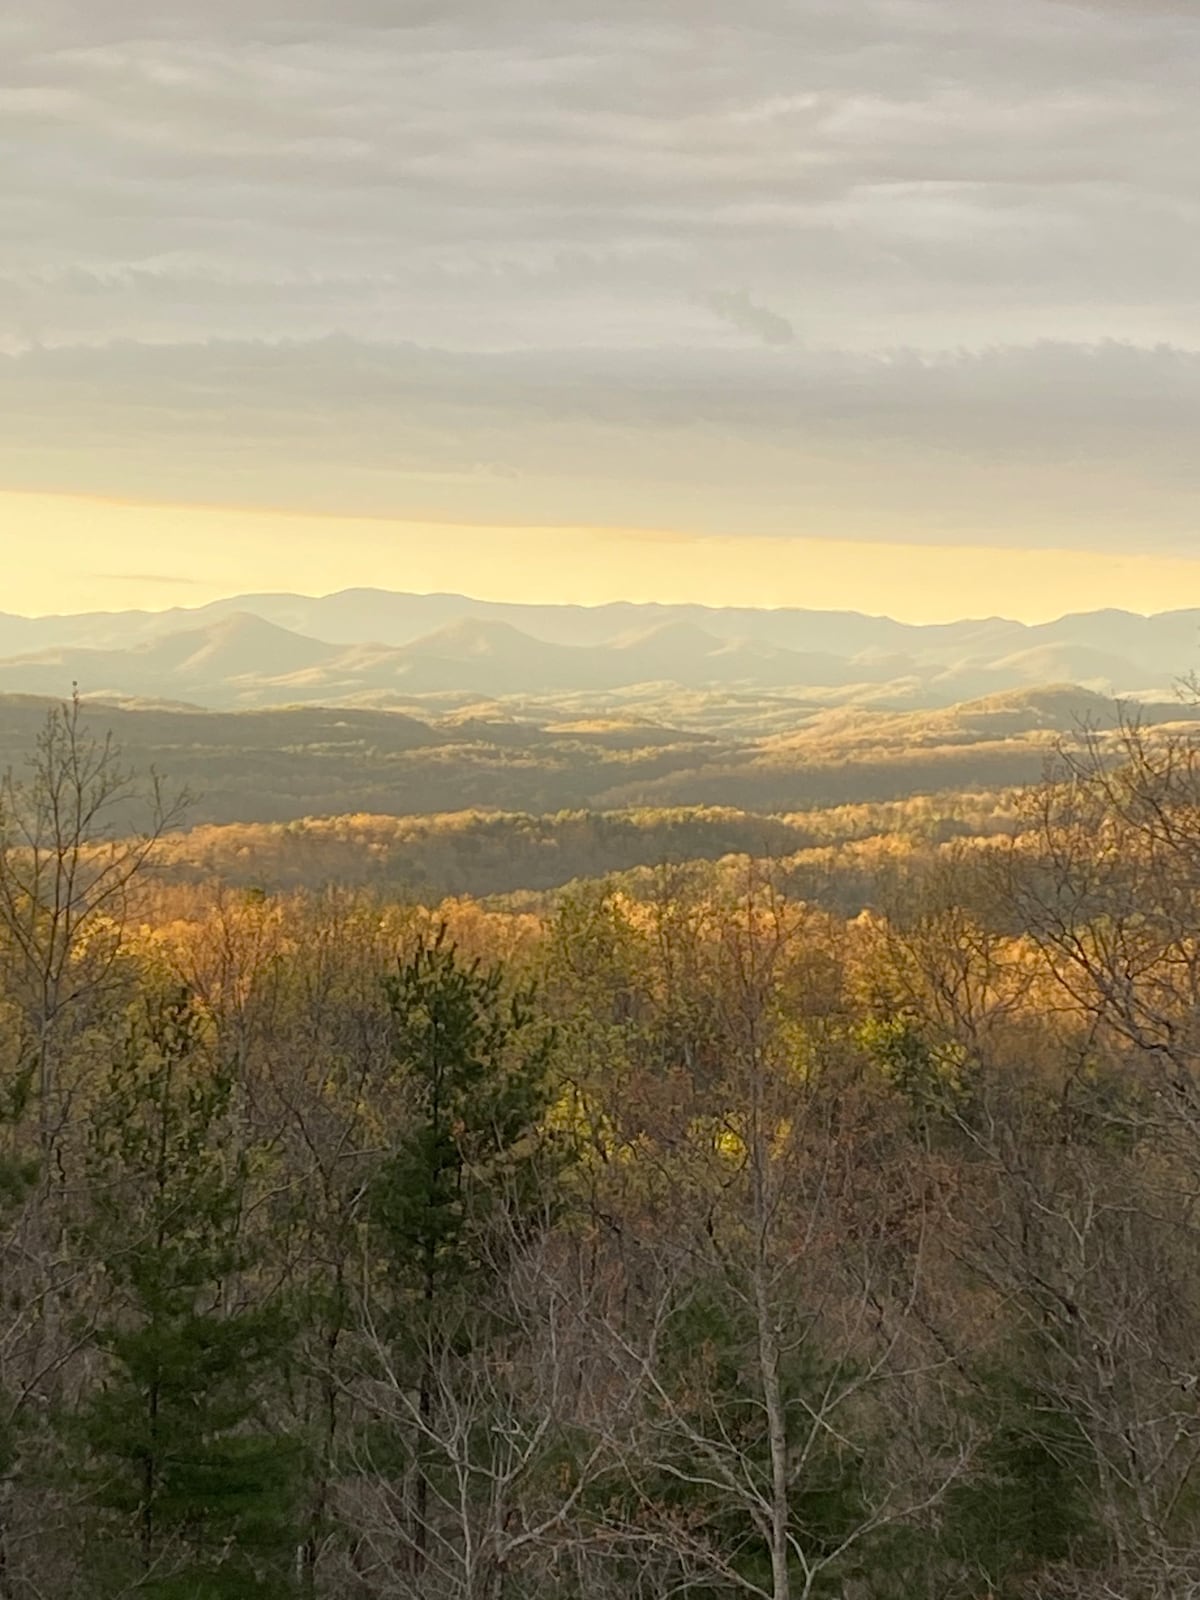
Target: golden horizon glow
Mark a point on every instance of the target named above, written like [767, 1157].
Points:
[86, 553]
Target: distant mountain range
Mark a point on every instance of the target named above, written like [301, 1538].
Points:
[375, 648]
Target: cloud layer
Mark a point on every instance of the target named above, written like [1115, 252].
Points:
[905, 267]
[1052, 446]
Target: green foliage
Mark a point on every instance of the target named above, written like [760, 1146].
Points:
[898, 1047]
[18, 1176]
[190, 1488]
[1028, 1502]
[475, 1063]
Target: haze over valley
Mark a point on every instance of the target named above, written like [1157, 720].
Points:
[381, 649]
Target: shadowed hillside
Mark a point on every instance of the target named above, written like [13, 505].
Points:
[280, 765]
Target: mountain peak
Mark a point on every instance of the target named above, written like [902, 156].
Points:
[468, 637]
[679, 634]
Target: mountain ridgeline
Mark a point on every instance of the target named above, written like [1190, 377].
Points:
[373, 648]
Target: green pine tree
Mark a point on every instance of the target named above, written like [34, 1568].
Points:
[468, 1178]
[1027, 1505]
[474, 1152]
[191, 1490]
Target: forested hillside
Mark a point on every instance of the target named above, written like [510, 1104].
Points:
[675, 1235]
[286, 764]
[484, 853]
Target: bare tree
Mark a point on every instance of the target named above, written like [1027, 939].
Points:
[1076, 1217]
[769, 1279]
[508, 1439]
[76, 830]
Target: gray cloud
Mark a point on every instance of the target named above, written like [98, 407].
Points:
[263, 209]
[740, 312]
[502, 177]
[1055, 444]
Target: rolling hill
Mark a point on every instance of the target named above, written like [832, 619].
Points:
[372, 648]
[283, 764]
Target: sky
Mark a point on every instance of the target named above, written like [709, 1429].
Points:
[889, 305]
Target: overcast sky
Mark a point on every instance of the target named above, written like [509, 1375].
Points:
[918, 273]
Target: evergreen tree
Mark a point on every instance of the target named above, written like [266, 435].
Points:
[1028, 1505]
[190, 1488]
[464, 1184]
[475, 1064]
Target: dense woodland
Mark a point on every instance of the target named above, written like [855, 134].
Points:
[291, 763]
[844, 856]
[686, 1233]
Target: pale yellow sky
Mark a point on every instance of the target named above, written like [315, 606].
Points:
[74, 553]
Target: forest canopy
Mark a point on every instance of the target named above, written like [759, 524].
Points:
[682, 1231]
